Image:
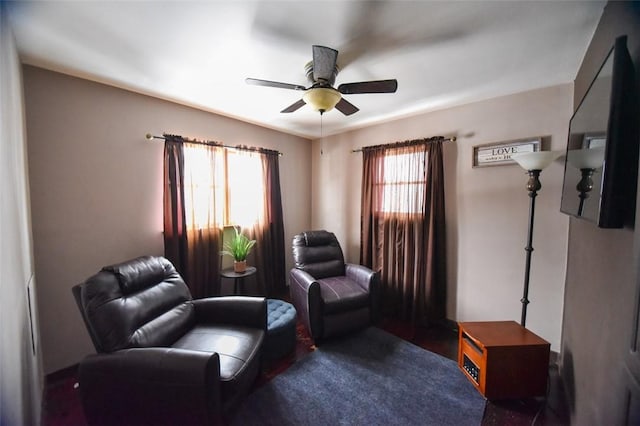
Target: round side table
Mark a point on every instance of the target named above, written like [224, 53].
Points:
[238, 277]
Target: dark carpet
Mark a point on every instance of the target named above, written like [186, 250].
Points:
[371, 378]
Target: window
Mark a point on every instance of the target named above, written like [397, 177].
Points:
[402, 225]
[222, 187]
[401, 183]
[245, 189]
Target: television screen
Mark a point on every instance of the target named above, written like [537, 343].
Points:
[601, 161]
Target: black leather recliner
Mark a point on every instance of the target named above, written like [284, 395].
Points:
[331, 297]
[164, 358]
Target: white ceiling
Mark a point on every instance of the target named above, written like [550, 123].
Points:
[199, 53]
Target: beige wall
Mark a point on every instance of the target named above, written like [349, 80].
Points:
[96, 187]
[487, 208]
[21, 377]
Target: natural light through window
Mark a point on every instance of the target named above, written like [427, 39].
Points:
[401, 187]
[222, 187]
[200, 193]
[245, 189]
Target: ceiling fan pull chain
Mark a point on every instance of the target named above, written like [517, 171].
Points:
[321, 136]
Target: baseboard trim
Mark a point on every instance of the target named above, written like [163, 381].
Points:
[449, 324]
[62, 374]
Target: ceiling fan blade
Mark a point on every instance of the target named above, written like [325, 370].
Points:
[346, 107]
[295, 106]
[324, 63]
[379, 86]
[267, 83]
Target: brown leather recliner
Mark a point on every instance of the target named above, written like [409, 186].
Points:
[164, 358]
[331, 296]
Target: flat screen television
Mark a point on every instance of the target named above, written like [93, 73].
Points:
[601, 162]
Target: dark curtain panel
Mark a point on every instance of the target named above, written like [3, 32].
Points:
[175, 230]
[436, 271]
[269, 235]
[195, 249]
[204, 262]
[402, 227]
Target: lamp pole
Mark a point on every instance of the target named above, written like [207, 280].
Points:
[533, 186]
[533, 163]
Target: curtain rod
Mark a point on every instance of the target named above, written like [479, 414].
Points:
[166, 136]
[391, 145]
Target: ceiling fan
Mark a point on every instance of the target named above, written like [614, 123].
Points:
[321, 95]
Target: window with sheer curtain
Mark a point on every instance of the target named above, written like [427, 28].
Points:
[402, 228]
[222, 187]
[401, 183]
[207, 187]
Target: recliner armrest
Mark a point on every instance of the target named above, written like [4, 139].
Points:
[151, 386]
[370, 281]
[303, 279]
[362, 275]
[237, 310]
[305, 292]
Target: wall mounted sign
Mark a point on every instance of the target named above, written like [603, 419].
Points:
[499, 153]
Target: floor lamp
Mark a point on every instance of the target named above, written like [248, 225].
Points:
[533, 163]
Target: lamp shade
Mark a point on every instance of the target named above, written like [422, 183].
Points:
[535, 160]
[586, 158]
[322, 99]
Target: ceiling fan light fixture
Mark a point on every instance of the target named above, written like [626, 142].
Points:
[321, 95]
[322, 99]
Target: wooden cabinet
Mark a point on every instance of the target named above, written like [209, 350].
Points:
[503, 359]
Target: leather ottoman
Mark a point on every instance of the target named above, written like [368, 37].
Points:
[281, 329]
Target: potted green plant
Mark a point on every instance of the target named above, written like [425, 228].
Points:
[239, 248]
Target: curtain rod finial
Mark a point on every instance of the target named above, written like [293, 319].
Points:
[453, 138]
[149, 136]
